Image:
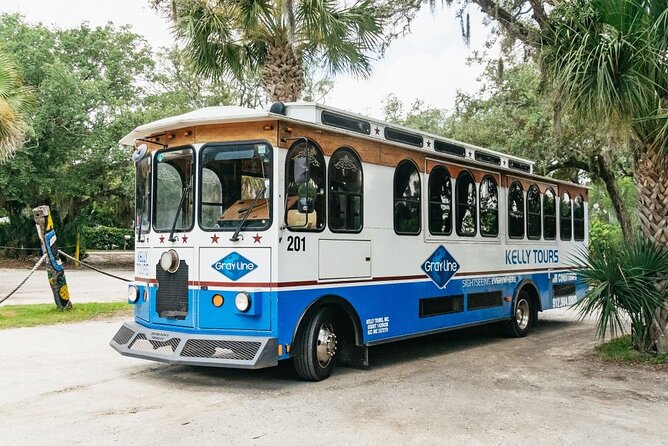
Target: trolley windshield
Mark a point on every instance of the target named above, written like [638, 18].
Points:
[235, 185]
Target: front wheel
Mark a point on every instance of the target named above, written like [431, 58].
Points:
[315, 355]
[522, 318]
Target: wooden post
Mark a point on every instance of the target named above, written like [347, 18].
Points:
[76, 253]
[54, 267]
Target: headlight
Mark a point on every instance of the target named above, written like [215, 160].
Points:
[133, 294]
[169, 261]
[242, 301]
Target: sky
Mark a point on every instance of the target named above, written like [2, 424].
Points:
[429, 64]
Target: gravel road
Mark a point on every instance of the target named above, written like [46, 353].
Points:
[64, 385]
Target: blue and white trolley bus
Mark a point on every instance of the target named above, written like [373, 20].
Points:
[311, 233]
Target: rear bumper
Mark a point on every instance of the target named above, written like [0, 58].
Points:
[246, 352]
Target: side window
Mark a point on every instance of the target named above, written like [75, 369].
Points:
[489, 208]
[440, 202]
[305, 187]
[549, 215]
[407, 198]
[533, 213]
[565, 216]
[578, 218]
[467, 225]
[345, 191]
[515, 211]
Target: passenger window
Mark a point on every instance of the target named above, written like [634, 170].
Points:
[516, 211]
[345, 191]
[305, 193]
[565, 216]
[533, 213]
[489, 208]
[467, 225]
[549, 215]
[440, 202]
[578, 219]
[407, 198]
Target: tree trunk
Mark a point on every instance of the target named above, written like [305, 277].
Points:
[651, 175]
[283, 73]
[608, 177]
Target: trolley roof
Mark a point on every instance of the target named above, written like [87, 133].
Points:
[334, 119]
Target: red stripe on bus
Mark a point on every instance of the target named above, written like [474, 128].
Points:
[336, 282]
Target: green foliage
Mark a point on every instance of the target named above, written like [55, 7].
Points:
[92, 86]
[604, 237]
[15, 102]
[13, 316]
[240, 39]
[625, 281]
[621, 350]
[607, 59]
[104, 237]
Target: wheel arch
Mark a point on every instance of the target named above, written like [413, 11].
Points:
[339, 304]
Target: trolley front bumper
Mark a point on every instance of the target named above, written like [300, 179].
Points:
[247, 352]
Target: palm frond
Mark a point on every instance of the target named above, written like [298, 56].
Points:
[15, 103]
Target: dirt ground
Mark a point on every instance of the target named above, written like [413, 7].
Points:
[64, 385]
[85, 285]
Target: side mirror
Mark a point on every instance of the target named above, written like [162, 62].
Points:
[300, 170]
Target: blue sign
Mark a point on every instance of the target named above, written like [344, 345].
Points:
[234, 266]
[440, 266]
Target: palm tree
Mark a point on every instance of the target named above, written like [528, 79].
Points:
[14, 102]
[607, 60]
[276, 39]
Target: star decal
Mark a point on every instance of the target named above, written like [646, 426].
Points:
[470, 154]
[504, 162]
[162, 239]
[428, 143]
[184, 238]
[377, 130]
[214, 238]
[256, 238]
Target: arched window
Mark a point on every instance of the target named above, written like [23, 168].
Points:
[578, 218]
[467, 224]
[345, 191]
[565, 216]
[515, 210]
[549, 215]
[440, 202]
[407, 191]
[305, 187]
[533, 213]
[489, 208]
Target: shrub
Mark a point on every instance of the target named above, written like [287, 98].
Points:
[105, 237]
[625, 281]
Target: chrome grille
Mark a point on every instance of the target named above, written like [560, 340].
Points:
[123, 335]
[171, 300]
[142, 344]
[234, 350]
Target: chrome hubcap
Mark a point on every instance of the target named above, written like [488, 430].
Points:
[522, 314]
[326, 348]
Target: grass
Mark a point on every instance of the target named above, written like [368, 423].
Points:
[621, 350]
[13, 316]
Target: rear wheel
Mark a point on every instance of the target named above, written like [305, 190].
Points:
[523, 316]
[315, 356]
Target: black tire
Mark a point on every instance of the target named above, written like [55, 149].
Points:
[522, 316]
[307, 364]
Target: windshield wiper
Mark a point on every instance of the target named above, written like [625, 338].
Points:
[235, 236]
[186, 189]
